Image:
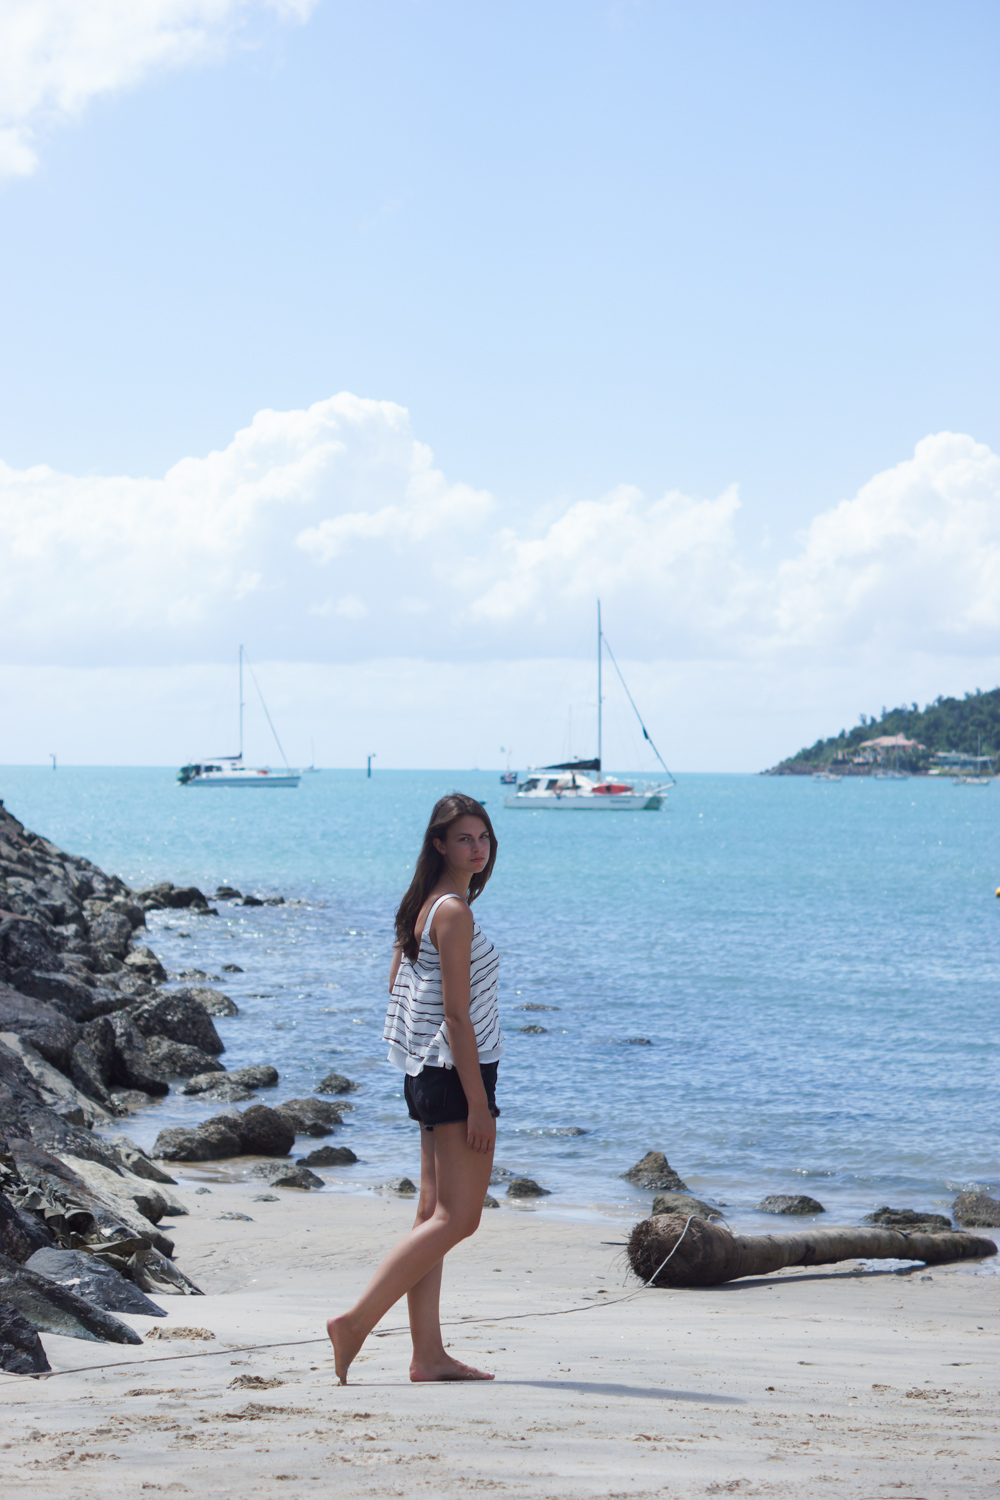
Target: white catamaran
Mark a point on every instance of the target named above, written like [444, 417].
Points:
[566, 786]
[229, 770]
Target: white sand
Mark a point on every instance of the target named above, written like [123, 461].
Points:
[835, 1383]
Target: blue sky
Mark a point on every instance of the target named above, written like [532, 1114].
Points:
[670, 247]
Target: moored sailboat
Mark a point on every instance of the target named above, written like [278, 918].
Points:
[229, 770]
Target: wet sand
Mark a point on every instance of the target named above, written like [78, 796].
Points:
[838, 1382]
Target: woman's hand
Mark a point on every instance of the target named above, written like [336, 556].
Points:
[481, 1129]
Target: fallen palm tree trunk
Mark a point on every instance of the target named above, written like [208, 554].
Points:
[663, 1252]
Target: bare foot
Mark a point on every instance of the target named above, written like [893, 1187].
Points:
[446, 1368]
[346, 1343]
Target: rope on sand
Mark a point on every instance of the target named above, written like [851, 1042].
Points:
[382, 1333]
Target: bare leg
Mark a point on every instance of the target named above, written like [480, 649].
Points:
[461, 1179]
[431, 1361]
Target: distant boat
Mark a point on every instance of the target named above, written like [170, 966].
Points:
[971, 780]
[566, 786]
[827, 776]
[229, 770]
[508, 777]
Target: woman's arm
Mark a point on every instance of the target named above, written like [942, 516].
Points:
[452, 935]
[397, 954]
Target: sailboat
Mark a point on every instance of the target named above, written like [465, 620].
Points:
[229, 770]
[576, 785]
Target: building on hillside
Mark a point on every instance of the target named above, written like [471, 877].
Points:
[945, 762]
[885, 747]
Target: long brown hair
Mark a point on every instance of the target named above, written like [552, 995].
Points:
[430, 864]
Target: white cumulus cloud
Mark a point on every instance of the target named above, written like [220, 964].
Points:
[58, 55]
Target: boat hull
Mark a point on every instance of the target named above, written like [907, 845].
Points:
[569, 802]
[265, 780]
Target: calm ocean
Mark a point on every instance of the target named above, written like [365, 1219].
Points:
[812, 964]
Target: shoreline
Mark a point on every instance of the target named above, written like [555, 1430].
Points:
[830, 1383]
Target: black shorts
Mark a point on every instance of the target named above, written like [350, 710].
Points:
[435, 1096]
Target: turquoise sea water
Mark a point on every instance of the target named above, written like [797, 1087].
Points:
[813, 965]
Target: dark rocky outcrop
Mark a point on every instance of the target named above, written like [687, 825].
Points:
[654, 1171]
[164, 896]
[51, 1308]
[175, 1060]
[683, 1203]
[21, 1351]
[213, 1002]
[311, 1116]
[49, 1030]
[336, 1083]
[526, 1187]
[132, 1066]
[977, 1210]
[789, 1203]
[94, 1279]
[287, 1174]
[330, 1156]
[21, 1234]
[254, 1076]
[908, 1219]
[258, 1131]
[180, 1019]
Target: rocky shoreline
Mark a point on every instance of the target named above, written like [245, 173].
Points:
[88, 1034]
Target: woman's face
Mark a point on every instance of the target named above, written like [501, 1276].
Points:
[465, 848]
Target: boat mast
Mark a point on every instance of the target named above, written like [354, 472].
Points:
[241, 703]
[599, 686]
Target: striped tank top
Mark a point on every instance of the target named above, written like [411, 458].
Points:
[415, 1026]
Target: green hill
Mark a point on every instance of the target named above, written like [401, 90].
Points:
[967, 726]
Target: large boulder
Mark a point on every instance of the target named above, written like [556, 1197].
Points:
[254, 1076]
[654, 1171]
[177, 1060]
[67, 993]
[151, 1199]
[166, 895]
[789, 1203]
[330, 1156]
[287, 1174]
[21, 1351]
[85, 1072]
[213, 1001]
[684, 1203]
[311, 1116]
[132, 1067]
[214, 1140]
[909, 1220]
[51, 1308]
[21, 1233]
[144, 962]
[99, 1036]
[25, 944]
[93, 1278]
[336, 1083]
[178, 1017]
[977, 1211]
[264, 1132]
[111, 932]
[138, 1162]
[48, 1030]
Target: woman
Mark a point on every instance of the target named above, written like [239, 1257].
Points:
[443, 1030]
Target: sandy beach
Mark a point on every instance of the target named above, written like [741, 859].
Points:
[838, 1382]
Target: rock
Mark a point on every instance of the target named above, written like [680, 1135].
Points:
[250, 901]
[49, 1031]
[213, 1002]
[127, 1101]
[534, 1030]
[501, 1174]
[489, 1202]
[178, 1017]
[310, 1116]
[225, 1092]
[264, 1132]
[146, 964]
[977, 1210]
[112, 932]
[74, 998]
[232, 969]
[99, 1035]
[188, 1335]
[25, 944]
[785, 1203]
[85, 1073]
[526, 1187]
[21, 1351]
[139, 1163]
[533, 1005]
[330, 1156]
[632, 1041]
[654, 1171]
[214, 1140]
[94, 1279]
[684, 1203]
[400, 1185]
[165, 895]
[266, 1198]
[336, 1083]
[908, 1220]
[151, 1199]
[287, 1174]
[21, 1233]
[54, 1088]
[175, 1060]
[229, 1214]
[132, 1067]
[228, 893]
[255, 1076]
[51, 1308]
